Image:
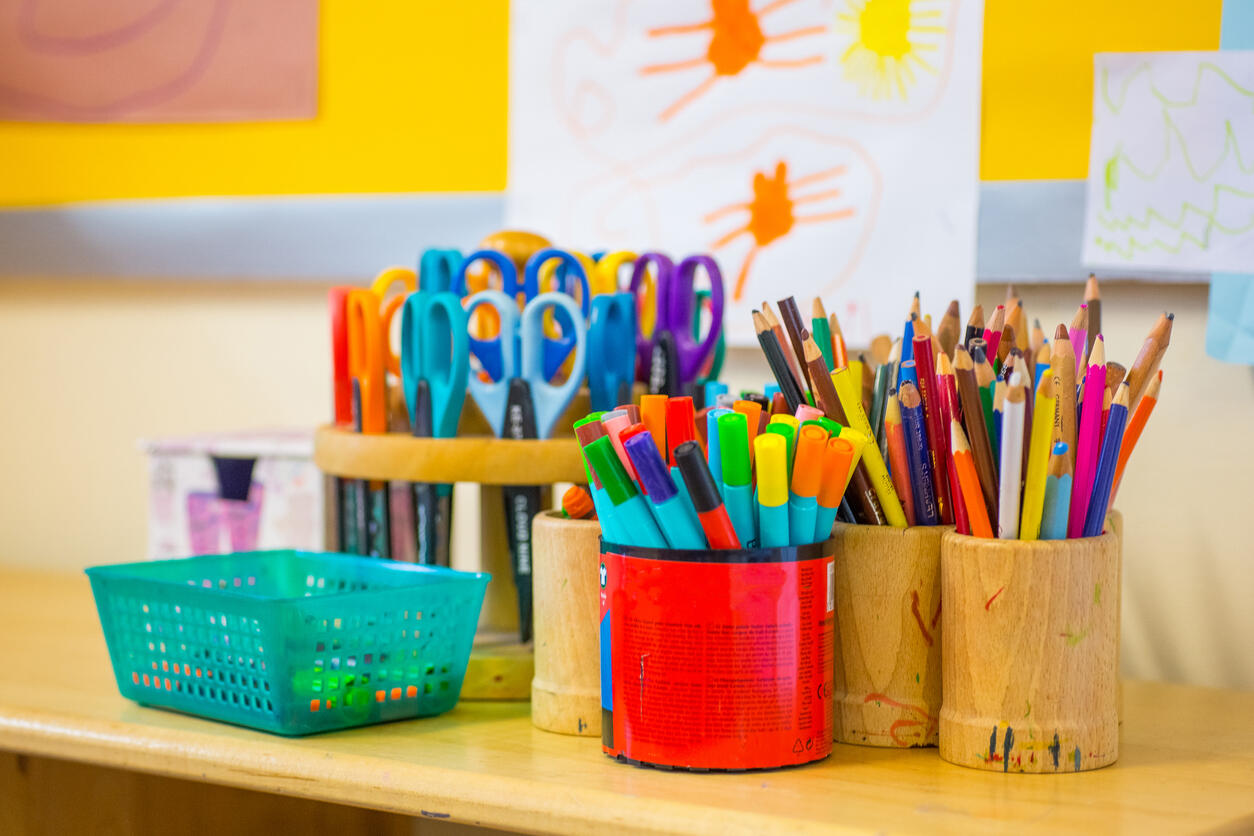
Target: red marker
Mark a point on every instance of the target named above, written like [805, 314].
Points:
[705, 497]
[681, 424]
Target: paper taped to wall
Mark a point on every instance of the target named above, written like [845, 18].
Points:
[813, 147]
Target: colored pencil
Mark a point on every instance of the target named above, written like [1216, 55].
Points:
[868, 385]
[918, 456]
[975, 326]
[1011, 459]
[840, 353]
[1062, 368]
[1114, 376]
[793, 363]
[1099, 499]
[895, 437]
[1088, 439]
[791, 316]
[820, 329]
[1040, 440]
[992, 331]
[964, 466]
[1149, 358]
[850, 401]
[950, 328]
[1092, 299]
[1077, 332]
[1135, 427]
[1057, 494]
[947, 400]
[881, 348]
[915, 308]
[937, 439]
[777, 361]
[977, 429]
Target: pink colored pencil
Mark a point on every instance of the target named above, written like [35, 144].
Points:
[1089, 440]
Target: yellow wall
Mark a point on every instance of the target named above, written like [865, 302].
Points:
[413, 98]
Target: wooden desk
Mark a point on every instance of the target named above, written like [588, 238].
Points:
[1187, 760]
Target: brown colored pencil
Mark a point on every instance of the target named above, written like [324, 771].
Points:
[864, 501]
[797, 332]
[793, 363]
[1150, 357]
[975, 326]
[1093, 299]
[1062, 369]
[775, 358]
[1005, 345]
[950, 329]
[977, 430]
[1114, 376]
[1015, 321]
[868, 383]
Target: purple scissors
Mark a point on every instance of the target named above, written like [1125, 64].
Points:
[671, 357]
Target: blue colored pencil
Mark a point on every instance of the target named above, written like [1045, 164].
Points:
[1057, 495]
[908, 373]
[907, 352]
[918, 457]
[1099, 500]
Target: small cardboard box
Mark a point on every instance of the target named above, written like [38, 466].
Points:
[234, 492]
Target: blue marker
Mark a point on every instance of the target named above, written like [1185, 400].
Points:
[679, 524]
[713, 388]
[715, 457]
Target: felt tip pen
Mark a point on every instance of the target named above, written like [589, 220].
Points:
[681, 424]
[806, 413]
[753, 421]
[587, 430]
[733, 439]
[719, 532]
[713, 388]
[631, 515]
[713, 451]
[770, 390]
[839, 460]
[807, 479]
[680, 527]
[653, 414]
[615, 422]
[771, 452]
[788, 432]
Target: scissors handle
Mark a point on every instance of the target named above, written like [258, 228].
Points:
[608, 266]
[611, 328]
[550, 401]
[366, 358]
[569, 270]
[649, 317]
[503, 265]
[491, 395]
[343, 387]
[435, 351]
[437, 269]
[691, 354]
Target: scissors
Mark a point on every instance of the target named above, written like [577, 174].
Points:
[438, 269]
[521, 403]
[670, 357]
[713, 366]
[555, 349]
[435, 364]
[367, 369]
[613, 369]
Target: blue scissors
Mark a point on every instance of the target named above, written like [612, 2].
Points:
[612, 371]
[570, 275]
[438, 269]
[523, 404]
[435, 365]
[671, 357]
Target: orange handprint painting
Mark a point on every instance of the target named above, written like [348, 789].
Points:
[736, 41]
[771, 212]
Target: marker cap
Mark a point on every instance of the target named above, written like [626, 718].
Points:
[837, 459]
[697, 478]
[733, 446]
[654, 475]
[807, 469]
[772, 456]
[681, 423]
[610, 470]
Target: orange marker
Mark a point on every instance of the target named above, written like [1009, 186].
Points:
[839, 459]
[753, 414]
[807, 478]
[653, 414]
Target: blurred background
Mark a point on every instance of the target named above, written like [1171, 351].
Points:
[168, 274]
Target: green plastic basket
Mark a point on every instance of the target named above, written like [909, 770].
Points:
[289, 642]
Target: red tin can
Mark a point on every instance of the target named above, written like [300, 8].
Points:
[717, 659]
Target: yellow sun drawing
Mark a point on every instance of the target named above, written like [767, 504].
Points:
[892, 42]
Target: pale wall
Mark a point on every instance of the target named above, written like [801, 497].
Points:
[89, 367]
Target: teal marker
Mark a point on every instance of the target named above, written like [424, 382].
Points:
[672, 509]
[600, 499]
[770, 450]
[733, 438]
[627, 507]
[715, 456]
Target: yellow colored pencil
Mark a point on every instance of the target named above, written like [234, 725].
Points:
[1038, 460]
[849, 392]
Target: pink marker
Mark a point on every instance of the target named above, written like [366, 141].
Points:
[615, 422]
[805, 412]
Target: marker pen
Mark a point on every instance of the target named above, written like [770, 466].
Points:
[680, 425]
[831, 426]
[653, 414]
[788, 432]
[587, 430]
[631, 515]
[726, 400]
[679, 524]
[712, 452]
[733, 441]
[807, 478]
[838, 464]
[771, 450]
[714, 388]
[770, 390]
[705, 499]
[806, 412]
[753, 416]
[615, 422]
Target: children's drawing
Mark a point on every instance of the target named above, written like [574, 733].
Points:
[1171, 185]
[823, 146]
[734, 41]
[157, 60]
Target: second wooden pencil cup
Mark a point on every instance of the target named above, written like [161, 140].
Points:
[888, 638]
[1031, 637]
[566, 689]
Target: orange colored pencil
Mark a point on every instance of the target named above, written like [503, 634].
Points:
[1139, 418]
[972, 495]
[897, 455]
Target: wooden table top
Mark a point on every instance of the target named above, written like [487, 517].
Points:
[1187, 760]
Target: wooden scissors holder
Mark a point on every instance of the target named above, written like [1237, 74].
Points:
[1030, 668]
[501, 668]
[887, 671]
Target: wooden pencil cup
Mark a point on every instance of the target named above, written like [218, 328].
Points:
[566, 688]
[1031, 639]
[888, 638]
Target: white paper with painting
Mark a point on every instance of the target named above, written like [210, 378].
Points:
[1171, 162]
[812, 147]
